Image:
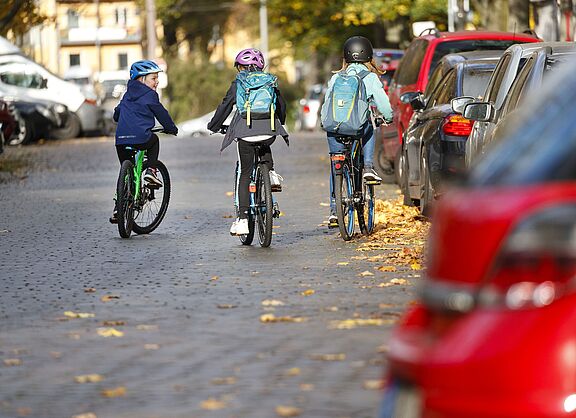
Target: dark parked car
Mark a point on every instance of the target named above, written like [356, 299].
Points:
[434, 143]
[520, 73]
[35, 118]
[420, 60]
[493, 332]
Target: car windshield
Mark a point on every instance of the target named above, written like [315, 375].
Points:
[452, 47]
[537, 144]
[475, 80]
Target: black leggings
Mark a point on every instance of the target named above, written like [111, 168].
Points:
[246, 153]
[152, 148]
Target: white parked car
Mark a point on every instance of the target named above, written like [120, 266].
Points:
[197, 127]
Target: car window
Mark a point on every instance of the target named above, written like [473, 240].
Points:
[21, 79]
[451, 47]
[448, 91]
[513, 97]
[497, 78]
[437, 96]
[410, 64]
[475, 80]
[433, 81]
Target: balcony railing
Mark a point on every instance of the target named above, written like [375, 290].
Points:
[103, 35]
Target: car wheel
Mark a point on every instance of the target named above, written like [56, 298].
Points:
[24, 132]
[426, 190]
[70, 130]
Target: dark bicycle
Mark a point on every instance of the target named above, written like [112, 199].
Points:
[352, 192]
[141, 206]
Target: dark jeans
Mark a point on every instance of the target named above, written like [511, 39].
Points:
[152, 148]
[246, 154]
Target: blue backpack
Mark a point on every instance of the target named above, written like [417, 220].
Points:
[345, 109]
[256, 95]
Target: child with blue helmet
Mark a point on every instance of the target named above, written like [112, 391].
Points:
[136, 114]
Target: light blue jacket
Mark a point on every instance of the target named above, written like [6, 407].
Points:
[374, 90]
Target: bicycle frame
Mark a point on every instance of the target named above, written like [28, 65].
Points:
[353, 156]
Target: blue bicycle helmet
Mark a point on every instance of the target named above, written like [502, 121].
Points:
[143, 67]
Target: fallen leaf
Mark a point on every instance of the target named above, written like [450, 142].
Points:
[212, 404]
[81, 315]
[324, 204]
[272, 302]
[386, 268]
[329, 357]
[108, 298]
[306, 387]
[294, 371]
[372, 384]
[416, 266]
[89, 290]
[229, 194]
[109, 332]
[11, 362]
[56, 355]
[86, 415]
[231, 380]
[288, 411]
[151, 346]
[213, 278]
[144, 327]
[366, 273]
[114, 392]
[399, 281]
[343, 263]
[269, 318]
[113, 323]
[23, 411]
[224, 306]
[88, 378]
[354, 323]
[308, 292]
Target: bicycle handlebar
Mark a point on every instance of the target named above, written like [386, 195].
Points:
[160, 129]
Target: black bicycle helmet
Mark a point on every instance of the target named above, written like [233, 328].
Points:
[357, 49]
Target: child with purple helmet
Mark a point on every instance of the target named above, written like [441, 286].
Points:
[259, 132]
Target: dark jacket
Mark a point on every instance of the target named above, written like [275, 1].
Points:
[136, 112]
[239, 128]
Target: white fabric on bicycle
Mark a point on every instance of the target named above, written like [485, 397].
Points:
[257, 138]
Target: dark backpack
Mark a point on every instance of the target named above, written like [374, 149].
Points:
[256, 95]
[345, 110]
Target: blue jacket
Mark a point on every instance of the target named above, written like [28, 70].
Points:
[136, 112]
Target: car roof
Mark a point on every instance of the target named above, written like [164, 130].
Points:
[455, 58]
[438, 37]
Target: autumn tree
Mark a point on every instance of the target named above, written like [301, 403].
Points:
[18, 16]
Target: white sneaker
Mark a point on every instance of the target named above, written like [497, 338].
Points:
[234, 227]
[242, 227]
[370, 175]
[276, 181]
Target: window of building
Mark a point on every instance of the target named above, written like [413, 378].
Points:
[73, 19]
[122, 61]
[121, 15]
[74, 59]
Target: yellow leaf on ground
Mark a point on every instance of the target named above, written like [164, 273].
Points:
[113, 323]
[329, 357]
[400, 281]
[88, 378]
[372, 384]
[306, 387]
[386, 268]
[416, 266]
[86, 415]
[212, 404]
[343, 263]
[354, 323]
[231, 380]
[145, 327]
[82, 315]
[226, 306]
[229, 194]
[294, 371]
[114, 392]
[324, 204]
[272, 302]
[308, 292]
[213, 278]
[89, 290]
[288, 411]
[151, 346]
[366, 273]
[269, 318]
[108, 298]
[109, 332]
[11, 362]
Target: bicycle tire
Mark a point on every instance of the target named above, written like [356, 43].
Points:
[125, 199]
[152, 210]
[366, 210]
[343, 193]
[248, 238]
[264, 205]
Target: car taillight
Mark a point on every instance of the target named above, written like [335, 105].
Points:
[457, 125]
[91, 101]
[306, 109]
[537, 263]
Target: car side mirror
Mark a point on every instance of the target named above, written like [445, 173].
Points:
[480, 111]
[414, 99]
[459, 103]
[44, 83]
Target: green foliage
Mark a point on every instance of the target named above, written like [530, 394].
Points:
[18, 16]
[196, 88]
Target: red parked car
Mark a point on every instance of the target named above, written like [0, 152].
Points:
[416, 66]
[494, 331]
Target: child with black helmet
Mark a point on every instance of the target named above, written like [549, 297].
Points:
[358, 59]
[136, 114]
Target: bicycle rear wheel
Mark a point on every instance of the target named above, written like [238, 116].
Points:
[248, 238]
[125, 199]
[152, 204]
[264, 205]
[344, 195]
[366, 211]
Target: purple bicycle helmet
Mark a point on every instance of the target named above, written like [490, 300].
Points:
[250, 56]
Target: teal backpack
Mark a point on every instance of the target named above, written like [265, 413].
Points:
[345, 109]
[256, 95]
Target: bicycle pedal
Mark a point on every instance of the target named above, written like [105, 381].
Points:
[373, 182]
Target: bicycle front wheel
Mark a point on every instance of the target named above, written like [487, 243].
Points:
[125, 199]
[263, 203]
[153, 201]
[344, 195]
[366, 211]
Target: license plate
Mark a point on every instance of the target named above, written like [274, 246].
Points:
[401, 400]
